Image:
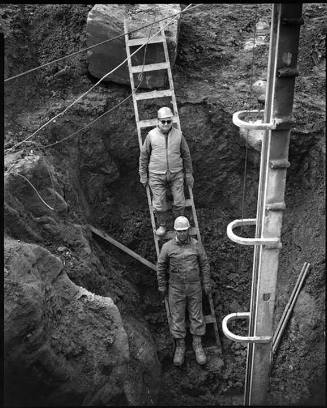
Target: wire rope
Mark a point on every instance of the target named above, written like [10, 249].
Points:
[94, 45]
[38, 194]
[52, 182]
[105, 113]
[93, 86]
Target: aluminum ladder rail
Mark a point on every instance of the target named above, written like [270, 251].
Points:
[141, 124]
[277, 121]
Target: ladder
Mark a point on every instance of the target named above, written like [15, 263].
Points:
[142, 124]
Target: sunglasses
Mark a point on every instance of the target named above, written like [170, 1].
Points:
[168, 122]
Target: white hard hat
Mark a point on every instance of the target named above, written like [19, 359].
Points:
[181, 224]
[165, 113]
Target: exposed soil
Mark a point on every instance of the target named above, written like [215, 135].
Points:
[96, 174]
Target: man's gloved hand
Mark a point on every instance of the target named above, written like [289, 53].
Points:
[144, 180]
[207, 289]
[163, 292]
[189, 179]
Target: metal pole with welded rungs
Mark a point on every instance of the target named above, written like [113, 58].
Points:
[288, 18]
[282, 70]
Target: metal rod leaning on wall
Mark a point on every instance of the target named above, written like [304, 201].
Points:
[289, 307]
[290, 300]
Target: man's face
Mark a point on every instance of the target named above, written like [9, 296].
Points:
[165, 124]
[182, 235]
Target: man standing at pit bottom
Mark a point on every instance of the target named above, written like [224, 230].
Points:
[182, 264]
[165, 155]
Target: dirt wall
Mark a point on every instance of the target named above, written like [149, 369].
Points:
[96, 175]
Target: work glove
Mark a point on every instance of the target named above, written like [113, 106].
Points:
[189, 179]
[163, 292]
[144, 180]
[207, 289]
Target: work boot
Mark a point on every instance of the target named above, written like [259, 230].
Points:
[179, 352]
[199, 352]
[162, 220]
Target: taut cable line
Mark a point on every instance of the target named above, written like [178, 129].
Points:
[93, 46]
[141, 77]
[93, 86]
[53, 189]
[38, 194]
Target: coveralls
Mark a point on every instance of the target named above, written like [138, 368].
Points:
[181, 267]
[166, 157]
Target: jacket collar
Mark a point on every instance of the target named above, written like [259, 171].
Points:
[165, 134]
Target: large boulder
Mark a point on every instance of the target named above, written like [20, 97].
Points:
[106, 21]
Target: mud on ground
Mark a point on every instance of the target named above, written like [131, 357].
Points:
[96, 176]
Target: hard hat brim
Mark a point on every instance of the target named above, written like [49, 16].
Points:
[182, 229]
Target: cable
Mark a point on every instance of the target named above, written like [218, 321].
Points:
[20, 175]
[93, 46]
[93, 86]
[105, 113]
[88, 125]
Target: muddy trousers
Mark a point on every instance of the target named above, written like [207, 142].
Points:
[160, 183]
[181, 297]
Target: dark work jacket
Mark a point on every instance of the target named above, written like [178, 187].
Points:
[181, 263]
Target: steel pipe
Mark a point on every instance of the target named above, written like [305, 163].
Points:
[289, 307]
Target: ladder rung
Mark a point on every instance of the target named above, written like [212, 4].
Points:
[152, 122]
[150, 67]
[153, 94]
[144, 40]
[209, 319]
[188, 203]
[171, 234]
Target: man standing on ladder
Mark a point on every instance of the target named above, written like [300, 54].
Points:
[182, 264]
[165, 155]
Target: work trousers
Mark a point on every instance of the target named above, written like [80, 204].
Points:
[180, 297]
[159, 183]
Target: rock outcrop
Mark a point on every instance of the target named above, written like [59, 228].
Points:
[65, 345]
[106, 21]
[62, 341]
